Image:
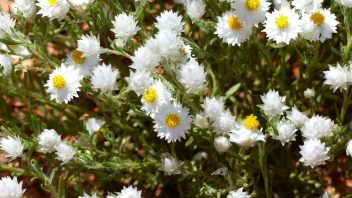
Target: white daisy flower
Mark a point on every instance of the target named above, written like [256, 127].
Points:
[338, 77]
[286, 130]
[195, 9]
[282, 25]
[169, 45]
[54, 9]
[138, 82]
[274, 104]
[48, 140]
[5, 63]
[309, 93]
[154, 97]
[125, 26]
[349, 148]
[347, 3]
[239, 193]
[318, 25]
[172, 122]
[296, 117]
[12, 147]
[89, 45]
[213, 107]
[251, 11]
[201, 121]
[221, 144]
[169, 164]
[26, 7]
[307, 5]
[192, 75]
[231, 29]
[63, 83]
[10, 188]
[7, 24]
[248, 133]
[317, 127]
[85, 195]
[224, 123]
[64, 152]
[314, 153]
[169, 20]
[85, 65]
[145, 59]
[104, 78]
[93, 125]
[127, 192]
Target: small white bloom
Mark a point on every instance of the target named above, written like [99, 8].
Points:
[5, 63]
[224, 123]
[64, 152]
[154, 97]
[48, 140]
[85, 65]
[251, 11]
[125, 26]
[127, 192]
[138, 82]
[309, 93]
[307, 5]
[78, 3]
[104, 78]
[172, 122]
[169, 44]
[221, 144]
[7, 24]
[169, 20]
[282, 25]
[296, 117]
[318, 25]
[94, 125]
[286, 130]
[231, 29]
[314, 153]
[26, 7]
[221, 171]
[201, 121]
[317, 127]
[347, 3]
[54, 9]
[63, 83]
[192, 75]
[274, 104]
[89, 45]
[10, 188]
[213, 107]
[338, 77]
[85, 195]
[145, 59]
[169, 164]
[12, 147]
[195, 9]
[349, 148]
[238, 194]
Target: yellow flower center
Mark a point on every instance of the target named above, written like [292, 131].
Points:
[78, 57]
[150, 95]
[281, 22]
[233, 23]
[252, 4]
[317, 18]
[251, 122]
[59, 82]
[52, 2]
[172, 120]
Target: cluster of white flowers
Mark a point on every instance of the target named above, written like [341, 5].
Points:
[10, 188]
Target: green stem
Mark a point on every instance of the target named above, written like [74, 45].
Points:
[264, 168]
[345, 105]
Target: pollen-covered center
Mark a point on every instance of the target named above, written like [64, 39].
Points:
[251, 122]
[52, 2]
[150, 95]
[252, 4]
[317, 18]
[281, 22]
[234, 23]
[78, 57]
[172, 120]
[59, 82]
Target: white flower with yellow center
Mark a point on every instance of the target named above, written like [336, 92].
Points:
[138, 82]
[104, 78]
[54, 9]
[248, 133]
[282, 25]
[172, 122]
[231, 29]
[307, 5]
[89, 45]
[251, 11]
[154, 97]
[318, 25]
[63, 83]
[85, 65]
[274, 104]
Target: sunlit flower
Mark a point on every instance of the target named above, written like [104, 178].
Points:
[296, 117]
[127, 192]
[286, 131]
[273, 104]
[192, 75]
[349, 148]
[169, 164]
[89, 45]
[154, 97]
[314, 153]
[64, 152]
[54, 9]
[213, 107]
[7, 24]
[317, 127]
[48, 140]
[12, 146]
[195, 9]
[10, 188]
[239, 193]
[224, 123]
[94, 125]
[251, 11]
[26, 7]
[307, 5]
[85, 65]
[138, 82]
[5, 63]
[338, 77]
[125, 26]
[221, 144]
[104, 78]
[169, 20]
